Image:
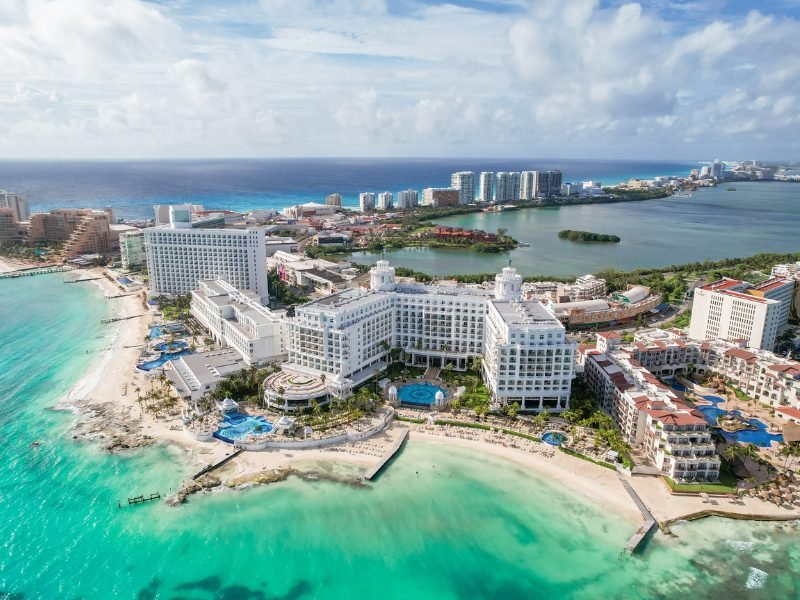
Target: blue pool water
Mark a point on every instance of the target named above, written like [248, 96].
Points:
[714, 399]
[159, 330]
[161, 360]
[759, 436]
[420, 394]
[236, 426]
[554, 438]
[173, 347]
[125, 280]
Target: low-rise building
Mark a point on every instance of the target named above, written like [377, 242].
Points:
[236, 318]
[653, 416]
[11, 230]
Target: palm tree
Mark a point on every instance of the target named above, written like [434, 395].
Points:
[512, 410]
[790, 451]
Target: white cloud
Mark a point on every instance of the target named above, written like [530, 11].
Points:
[369, 77]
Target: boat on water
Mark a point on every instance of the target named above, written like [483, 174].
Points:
[683, 193]
[731, 189]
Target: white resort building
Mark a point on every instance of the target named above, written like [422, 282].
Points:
[738, 310]
[338, 342]
[179, 256]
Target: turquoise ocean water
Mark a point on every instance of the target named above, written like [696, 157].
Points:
[440, 523]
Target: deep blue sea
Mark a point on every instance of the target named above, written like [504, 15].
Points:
[132, 187]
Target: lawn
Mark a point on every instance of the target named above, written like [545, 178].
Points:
[726, 484]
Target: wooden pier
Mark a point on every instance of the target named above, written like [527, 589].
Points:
[649, 522]
[387, 457]
[217, 464]
[115, 319]
[84, 279]
[35, 271]
[141, 499]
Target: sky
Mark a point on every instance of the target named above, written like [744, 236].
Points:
[657, 79]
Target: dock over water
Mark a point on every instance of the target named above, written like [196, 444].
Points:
[387, 457]
[35, 271]
[217, 464]
[649, 522]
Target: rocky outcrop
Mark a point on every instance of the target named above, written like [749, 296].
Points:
[114, 428]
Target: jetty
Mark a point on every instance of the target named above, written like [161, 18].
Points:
[84, 279]
[649, 522]
[141, 499]
[217, 464]
[35, 271]
[115, 319]
[387, 457]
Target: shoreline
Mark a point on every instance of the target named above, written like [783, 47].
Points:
[109, 414]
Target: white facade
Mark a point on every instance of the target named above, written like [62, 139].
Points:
[486, 187]
[18, 203]
[506, 186]
[347, 337]
[385, 201]
[528, 358]
[178, 258]
[407, 199]
[366, 201]
[464, 182]
[737, 310]
[238, 319]
[527, 185]
[131, 248]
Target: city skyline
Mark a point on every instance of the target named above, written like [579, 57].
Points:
[320, 78]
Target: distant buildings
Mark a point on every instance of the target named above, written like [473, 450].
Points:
[586, 287]
[11, 230]
[407, 199]
[527, 185]
[439, 197]
[366, 202]
[385, 201]
[334, 200]
[464, 182]
[546, 184]
[737, 310]
[131, 248]
[179, 256]
[18, 203]
[506, 187]
[486, 187]
[717, 169]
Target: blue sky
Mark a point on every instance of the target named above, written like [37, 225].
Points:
[662, 79]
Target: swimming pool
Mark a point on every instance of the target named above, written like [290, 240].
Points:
[125, 281]
[171, 347]
[554, 438]
[161, 360]
[159, 330]
[236, 426]
[419, 394]
[758, 436]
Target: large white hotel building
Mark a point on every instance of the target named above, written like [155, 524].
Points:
[179, 255]
[737, 310]
[346, 338]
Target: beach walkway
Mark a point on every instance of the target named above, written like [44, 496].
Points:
[387, 457]
[649, 522]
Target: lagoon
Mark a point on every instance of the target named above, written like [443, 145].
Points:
[711, 224]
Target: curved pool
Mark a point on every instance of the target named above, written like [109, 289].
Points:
[171, 347]
[758, 436]
[236, 426]
[161, 360]
[554, 438]
[420, 394]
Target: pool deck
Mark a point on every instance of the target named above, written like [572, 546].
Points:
[387, 457]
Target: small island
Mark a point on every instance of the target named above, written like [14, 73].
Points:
[586, 236]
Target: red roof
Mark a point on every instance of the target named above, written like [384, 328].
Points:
[722, 284]
[771, 284]
[790, 369]
[745, 296]
[788, 411]
[740, 353]
[676, 418]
